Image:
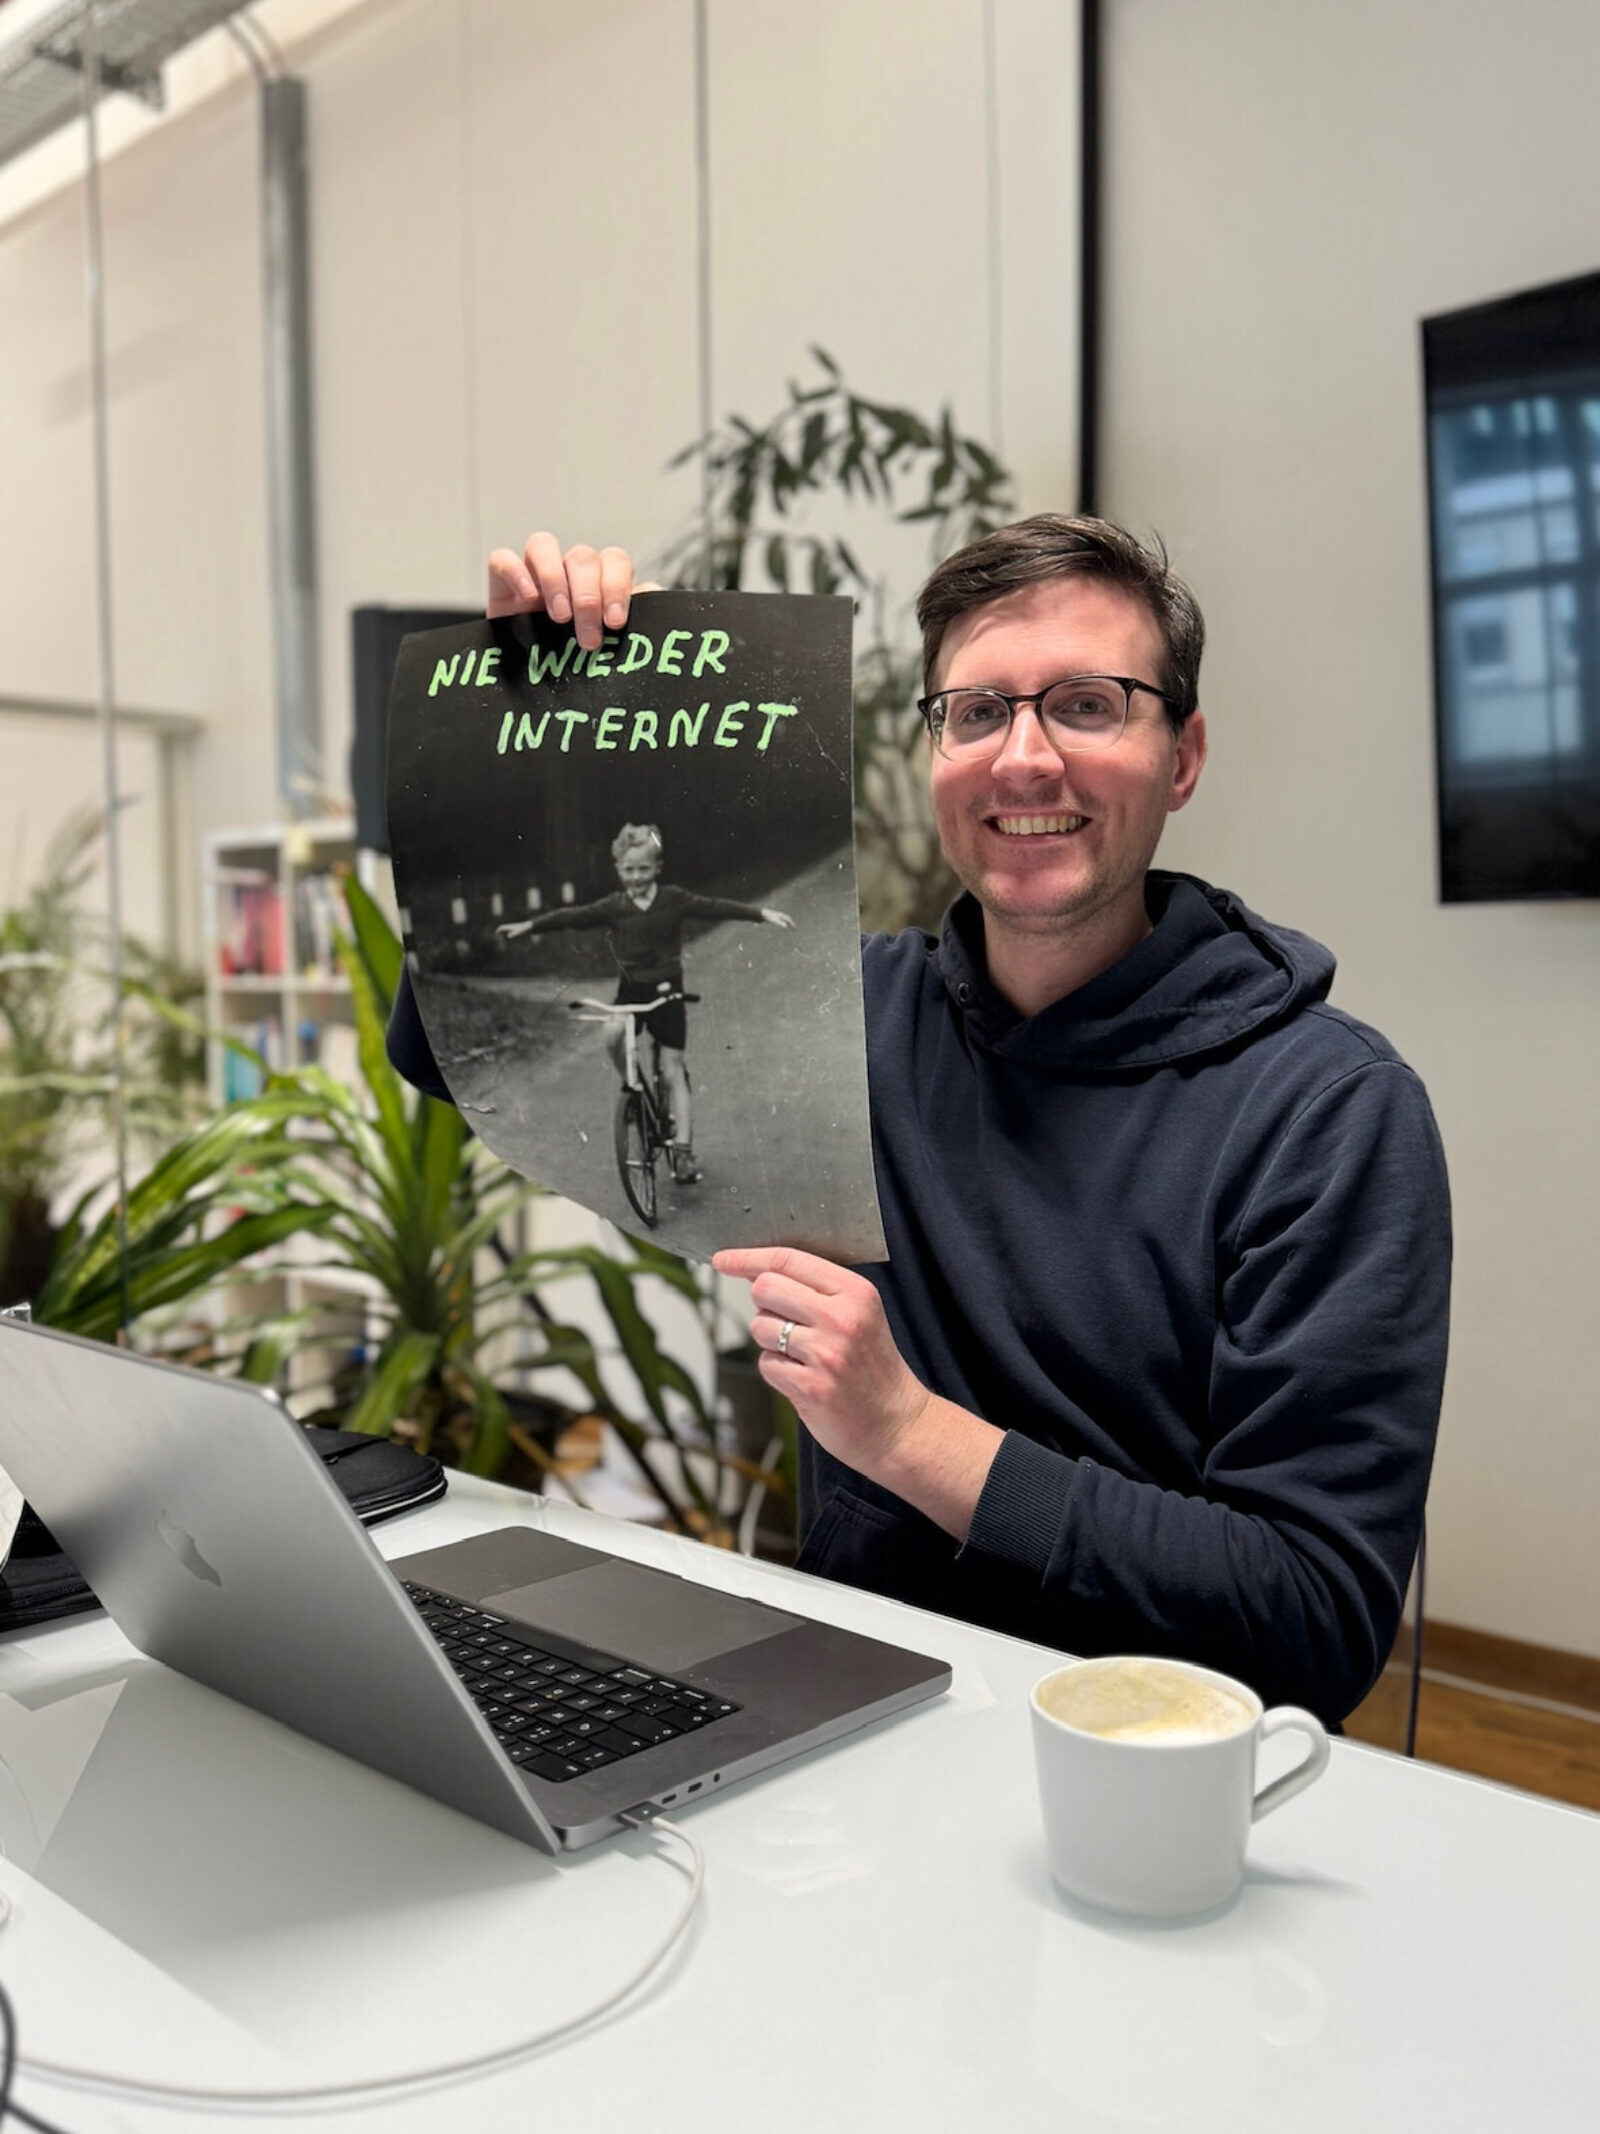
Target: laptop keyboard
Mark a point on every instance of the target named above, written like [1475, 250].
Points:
[552, 1715]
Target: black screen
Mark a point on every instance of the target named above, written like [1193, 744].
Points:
[375, 634]
[1513, 424]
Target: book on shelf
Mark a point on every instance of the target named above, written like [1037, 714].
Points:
[339, 1053]
[333, 1046]
[319, 916]
[244, 1077]
[250, 928]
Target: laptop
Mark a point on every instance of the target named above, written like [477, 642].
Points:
[543, 1686]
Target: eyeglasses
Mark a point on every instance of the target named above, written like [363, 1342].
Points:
[1084, 712]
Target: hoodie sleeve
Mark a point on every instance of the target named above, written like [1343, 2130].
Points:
[1289, 1567]
[410, 1054]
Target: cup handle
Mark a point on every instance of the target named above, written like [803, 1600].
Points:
[1311, 1766]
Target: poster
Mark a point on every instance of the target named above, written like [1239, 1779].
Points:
[628, 902]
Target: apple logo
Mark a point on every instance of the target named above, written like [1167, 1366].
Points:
[182, 1545]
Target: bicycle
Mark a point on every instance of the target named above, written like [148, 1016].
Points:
[642, 1119]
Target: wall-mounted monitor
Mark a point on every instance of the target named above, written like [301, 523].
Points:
[1513, 426]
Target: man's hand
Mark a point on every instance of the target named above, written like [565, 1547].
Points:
[775, 918]
[852, 1388]
[509, 929]
[588, 587]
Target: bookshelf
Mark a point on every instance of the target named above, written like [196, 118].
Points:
[272, 905]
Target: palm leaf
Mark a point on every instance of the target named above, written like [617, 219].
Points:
[403, 1368]
[491, 1436]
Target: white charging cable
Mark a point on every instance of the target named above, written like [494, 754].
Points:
[135, 2090]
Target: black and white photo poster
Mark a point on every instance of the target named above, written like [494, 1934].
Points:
[628, 901]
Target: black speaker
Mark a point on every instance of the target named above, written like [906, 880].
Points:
[375, 634]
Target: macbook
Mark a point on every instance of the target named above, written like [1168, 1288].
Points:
[543, 1686]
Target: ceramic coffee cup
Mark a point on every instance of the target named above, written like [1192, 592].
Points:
[1147, 1780]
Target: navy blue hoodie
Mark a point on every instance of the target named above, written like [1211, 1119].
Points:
[1185, 1237]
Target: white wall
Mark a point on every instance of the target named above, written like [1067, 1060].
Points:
[186, 451]
[504, 302]
[54, 770]
[1292, 188]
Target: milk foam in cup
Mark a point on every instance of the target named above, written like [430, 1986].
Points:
[1147, 1780]
[1147, 1700]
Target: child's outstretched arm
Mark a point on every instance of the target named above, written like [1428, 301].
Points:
[602, 912]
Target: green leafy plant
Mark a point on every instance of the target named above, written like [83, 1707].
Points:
[420, 1208]
[219, 1197]
[829, 438]
[58, 1041]
[763, 483]
[381, 1183]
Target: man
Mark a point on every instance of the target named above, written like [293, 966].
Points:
[1156, 1359]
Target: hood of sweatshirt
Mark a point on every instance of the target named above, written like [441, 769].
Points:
[1209, 974]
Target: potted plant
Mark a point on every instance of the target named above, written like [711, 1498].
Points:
[380, 1182]
[57, 1041]
[827, 439]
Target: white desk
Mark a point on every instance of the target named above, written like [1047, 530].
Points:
[211, 1899]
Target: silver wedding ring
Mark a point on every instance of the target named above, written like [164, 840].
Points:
[784, 1332]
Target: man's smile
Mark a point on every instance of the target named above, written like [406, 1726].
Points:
[1037, 825]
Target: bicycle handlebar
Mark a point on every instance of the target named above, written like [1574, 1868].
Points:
[628, 1007]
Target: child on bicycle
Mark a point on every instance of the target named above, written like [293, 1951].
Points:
[645, 919]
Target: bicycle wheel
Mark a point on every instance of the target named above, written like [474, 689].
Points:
[636, 1154]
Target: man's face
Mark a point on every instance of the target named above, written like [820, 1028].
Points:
[638, 868]
[1046, 841]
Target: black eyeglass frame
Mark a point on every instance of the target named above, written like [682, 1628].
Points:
[1127, 683]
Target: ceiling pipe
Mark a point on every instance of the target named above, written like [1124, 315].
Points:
[291, 482]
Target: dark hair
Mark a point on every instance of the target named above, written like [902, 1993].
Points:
[1035, 551]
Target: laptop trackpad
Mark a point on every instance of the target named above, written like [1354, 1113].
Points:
[649, 1617]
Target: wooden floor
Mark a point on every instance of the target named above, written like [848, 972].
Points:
[1512, 1713]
